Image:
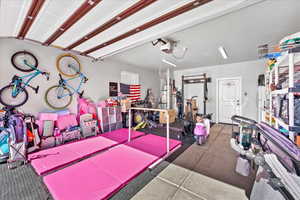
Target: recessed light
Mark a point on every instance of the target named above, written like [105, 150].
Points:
[223, 52]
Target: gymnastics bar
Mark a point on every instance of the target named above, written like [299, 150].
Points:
[155, 110]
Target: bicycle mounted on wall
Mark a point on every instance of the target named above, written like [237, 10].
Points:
[60, 96]
[15, 94]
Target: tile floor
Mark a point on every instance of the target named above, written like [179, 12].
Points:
[200, 173]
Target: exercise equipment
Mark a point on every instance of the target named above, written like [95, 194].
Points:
[68, 65]
[51, 159]
[193, 79]
[276, 156]
[149, 99]
[190, 110]
[143, 120]
[189, 122]
[15, 93]
[107, 172]
[151, 110]
[60, 96]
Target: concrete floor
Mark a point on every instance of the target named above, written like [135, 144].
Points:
[200, 173]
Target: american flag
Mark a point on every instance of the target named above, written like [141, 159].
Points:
[133, 92]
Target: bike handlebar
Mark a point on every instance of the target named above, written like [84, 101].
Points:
[239, 119]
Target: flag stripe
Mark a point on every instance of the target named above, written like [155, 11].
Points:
[133, 92]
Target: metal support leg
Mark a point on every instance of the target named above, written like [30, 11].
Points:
[168, 133]
[129, 125]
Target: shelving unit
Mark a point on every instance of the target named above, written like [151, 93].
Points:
[287, 60]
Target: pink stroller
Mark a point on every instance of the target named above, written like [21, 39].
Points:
[17, 140]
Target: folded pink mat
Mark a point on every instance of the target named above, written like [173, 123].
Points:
[123, 162]
[50, 159]
[82, 181]
[100, 176]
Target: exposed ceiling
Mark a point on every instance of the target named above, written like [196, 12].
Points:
[101, 28]
[239, 32]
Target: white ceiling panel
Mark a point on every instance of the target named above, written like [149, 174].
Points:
[103, 12]
[52, 15]
[198, 15]
[12, 14]
[239, 32]
[149, 13]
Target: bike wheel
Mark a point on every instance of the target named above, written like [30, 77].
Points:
[54, 101]
[68, 65]
[7, 99]
[17, 60]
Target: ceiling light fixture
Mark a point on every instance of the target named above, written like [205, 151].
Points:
[169, 63]
[223, 52]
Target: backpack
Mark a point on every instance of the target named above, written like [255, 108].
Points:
[17, 123]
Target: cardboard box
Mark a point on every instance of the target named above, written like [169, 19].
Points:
[298, 141]
[194, 104]
[125, 105]
[163, 117]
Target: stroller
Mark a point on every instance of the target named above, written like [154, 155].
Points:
[17, 140]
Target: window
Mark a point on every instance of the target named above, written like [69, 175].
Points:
[129, 78]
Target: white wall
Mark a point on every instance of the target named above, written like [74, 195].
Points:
[99, 73]
[249, 72]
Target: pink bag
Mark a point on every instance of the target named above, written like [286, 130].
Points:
[71, 135]
[48, 142]
[242, 166]
[66, 121]
[43, 117]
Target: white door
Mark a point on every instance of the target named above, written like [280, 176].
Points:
[229, 99]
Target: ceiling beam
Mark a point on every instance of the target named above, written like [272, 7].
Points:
[116, 19]
[76, 16]
[163, 18]
[33, 11]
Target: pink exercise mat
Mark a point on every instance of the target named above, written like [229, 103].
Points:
[123, 162]
[82, 181]
[100, 176]
[50, 159]
[121, 135]
[153, 144]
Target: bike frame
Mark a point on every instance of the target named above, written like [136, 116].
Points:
[16, 90]
[64, 83]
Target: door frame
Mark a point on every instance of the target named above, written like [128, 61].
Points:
[217, 104]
